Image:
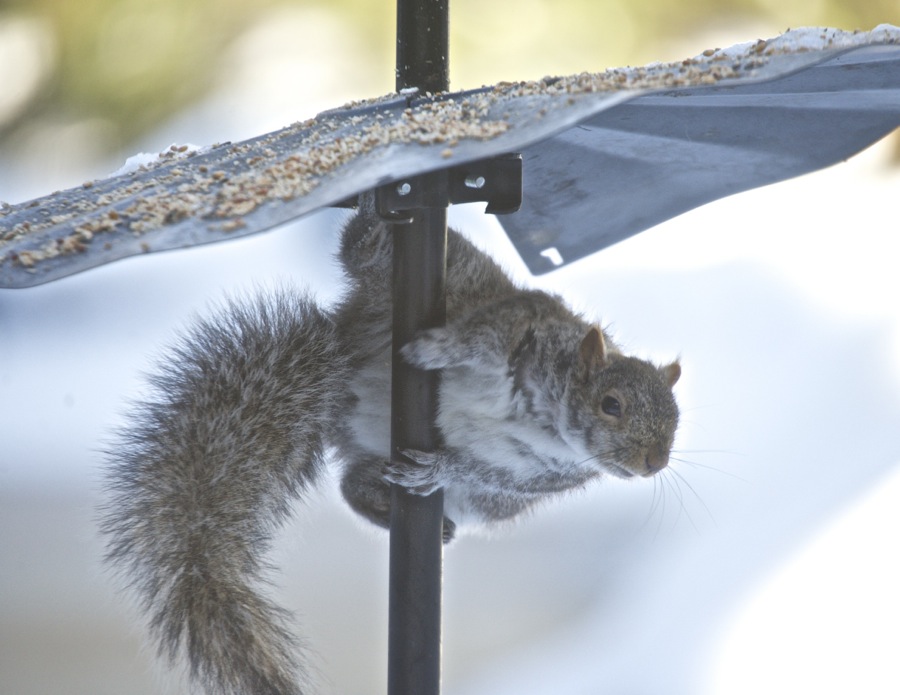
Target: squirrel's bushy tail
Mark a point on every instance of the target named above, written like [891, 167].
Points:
[205, 472]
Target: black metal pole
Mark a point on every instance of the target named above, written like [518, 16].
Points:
[422, 45]
[420, 261]
[414, 621]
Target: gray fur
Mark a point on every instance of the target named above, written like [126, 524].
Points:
[244, 407]
[205, 473]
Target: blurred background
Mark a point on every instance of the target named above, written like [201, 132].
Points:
[764, 559]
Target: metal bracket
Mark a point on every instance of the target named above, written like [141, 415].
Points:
[496, 181]
[397, 201]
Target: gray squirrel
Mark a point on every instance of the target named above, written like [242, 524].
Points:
[533, 401]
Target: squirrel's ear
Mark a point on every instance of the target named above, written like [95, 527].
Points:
[671, 373]
[593, 349]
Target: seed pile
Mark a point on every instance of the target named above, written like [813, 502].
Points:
[709, 67]
[243, 177]
[223, 184]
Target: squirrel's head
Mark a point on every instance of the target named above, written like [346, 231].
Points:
[630, 410]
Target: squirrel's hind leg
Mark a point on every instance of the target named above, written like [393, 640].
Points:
[368, 493]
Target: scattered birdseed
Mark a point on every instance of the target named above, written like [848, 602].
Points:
[225, 183]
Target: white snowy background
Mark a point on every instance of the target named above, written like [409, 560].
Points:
[763, 561]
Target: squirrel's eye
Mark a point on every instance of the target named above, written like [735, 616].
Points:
[611, 406]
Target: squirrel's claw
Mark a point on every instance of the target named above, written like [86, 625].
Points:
[416, 471]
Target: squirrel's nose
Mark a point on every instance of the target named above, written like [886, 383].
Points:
[654, 462]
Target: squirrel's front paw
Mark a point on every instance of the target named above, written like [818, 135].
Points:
[416, 471]
[430, 349]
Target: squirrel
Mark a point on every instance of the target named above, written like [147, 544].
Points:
[533, 401]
